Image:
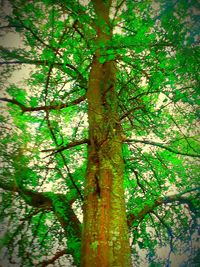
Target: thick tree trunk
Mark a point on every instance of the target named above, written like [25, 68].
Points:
[105, 241]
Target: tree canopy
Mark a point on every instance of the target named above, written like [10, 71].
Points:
[154, 47]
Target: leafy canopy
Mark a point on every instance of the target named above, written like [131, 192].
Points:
[44, 126]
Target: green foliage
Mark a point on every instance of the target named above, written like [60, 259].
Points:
[156, 54]
[17, 93]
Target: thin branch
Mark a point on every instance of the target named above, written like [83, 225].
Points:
[46, 108]
[147, 142]
[69, 145]
[117, 9]
[57, 65]
[29, 216]
[47, 83]
[54, 258]
[62, 156]
[38, 62]
[185, 137]
[13, 101]
[170, 234]
[30, 29]
[127, 113]
[77, 29]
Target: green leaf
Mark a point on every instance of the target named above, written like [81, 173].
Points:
[102, 60]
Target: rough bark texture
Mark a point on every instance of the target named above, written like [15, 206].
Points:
[105, 241]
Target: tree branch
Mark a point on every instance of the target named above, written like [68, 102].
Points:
[39, 62]
[69, 145]
[149, 208]
[32, 198]
[54, 258]
[61, 154]
[47, 201]
[151, 143]
[47, 108]
[117, 9]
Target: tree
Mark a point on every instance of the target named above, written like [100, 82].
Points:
[105, 126]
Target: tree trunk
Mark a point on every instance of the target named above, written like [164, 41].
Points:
[105, 241]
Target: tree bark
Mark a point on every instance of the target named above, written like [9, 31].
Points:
[105, 240]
